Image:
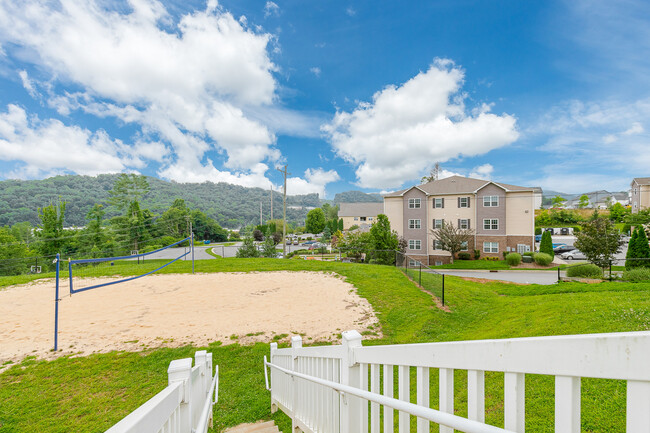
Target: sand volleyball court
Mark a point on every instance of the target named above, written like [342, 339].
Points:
[172, 310]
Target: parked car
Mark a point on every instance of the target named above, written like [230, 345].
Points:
[559, 244]
[295, 242]
[573, 255]
[309, 242]
[538, 238]
[563, 249]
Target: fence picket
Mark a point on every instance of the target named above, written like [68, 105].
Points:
[423, 396]
[476, 395]
[567, 404]
[514, 402]
[374, 407]
[388, 392]
[446, 394]
[404, 394]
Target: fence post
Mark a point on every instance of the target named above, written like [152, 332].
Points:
[350, 407]
[274, 406]
[420, 276]
[443, 290]
[296, 345]
[559, 280]
[610, 270]
[56, 304]
[180, 370]
[201, 359]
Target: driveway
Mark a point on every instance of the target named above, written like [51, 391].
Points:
[522, 277]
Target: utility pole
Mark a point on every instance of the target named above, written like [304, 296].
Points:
[284, 212]
[261, 213]
[271, 201]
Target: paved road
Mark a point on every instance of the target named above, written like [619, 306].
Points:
[172, 253]
[524, 277]
[569, 240]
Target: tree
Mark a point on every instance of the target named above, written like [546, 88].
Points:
[51, 229]
[11, 251]
[315, 221]
[331, 212]
[127, 189]
[546, 245]
[94, 227]
[248, 249]
[452, 238]
[384, 241]
[173, 222]
[599, 240]
[268, 247]
[207, 228]
[638, 250]
[340, 224]
[617, 212]
[583, 202]
[632, 251]
[354, 244]
[258, 235]
[558, 201]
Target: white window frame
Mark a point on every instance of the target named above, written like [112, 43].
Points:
[488, 247]
[413, 263]
[491, 224]
[437, 201]
[464, 226]
[413, 243]
[490, 201]
[436, 225]
[464, 202]
[415, 203]
[415, 224]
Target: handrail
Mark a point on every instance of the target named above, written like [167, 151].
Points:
[266, 375]
[456, 422]
[202, 425]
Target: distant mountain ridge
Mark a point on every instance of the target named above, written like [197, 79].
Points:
[231, 205]
[357, 197]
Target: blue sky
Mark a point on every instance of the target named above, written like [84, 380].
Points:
[351, 95]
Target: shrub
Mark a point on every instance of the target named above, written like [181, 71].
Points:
[490, 259]
[637, 275]
[529, 253]
[546, 246]
[543, 259]
[168, 240]
[513, 259]
[477, 254]
[584, 271]
[464, 256]
[505, 253]
[576, 229]
[538, 230]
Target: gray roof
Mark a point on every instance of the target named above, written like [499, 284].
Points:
[642, 180]
[458, 185]
[360, 209]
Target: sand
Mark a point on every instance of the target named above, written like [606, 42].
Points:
[177, 309]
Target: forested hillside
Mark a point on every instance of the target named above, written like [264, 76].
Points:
[231, 205]
[357, 197]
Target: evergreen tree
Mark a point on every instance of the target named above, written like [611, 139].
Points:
[268, 248]
[643, 249]
[51, 229]
[631, 250]
[248, 249]
[384, 241]
[546, 246]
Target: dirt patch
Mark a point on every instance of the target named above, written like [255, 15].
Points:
[177, 309]
[485, 280]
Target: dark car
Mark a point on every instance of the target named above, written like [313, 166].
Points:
[563, 249]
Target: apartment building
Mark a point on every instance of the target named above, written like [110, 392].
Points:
[640, 194]
[359, 214]
[502, 216]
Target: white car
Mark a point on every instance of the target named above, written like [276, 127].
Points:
[573, 255]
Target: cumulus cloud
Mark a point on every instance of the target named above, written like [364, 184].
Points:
[395, 137]
[314, 181]
[271, 8]
[191, 82]
[482, 172]
[50, 147]
[315, 70]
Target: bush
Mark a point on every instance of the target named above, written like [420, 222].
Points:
[513, 259]
[464, 256]
[538, 230]
[529, 253]
[168, 240]
[477, 254]
[576, 229]
[637, 275]
[491, 259]
[543, 259]
[546, 246]
[584, 271]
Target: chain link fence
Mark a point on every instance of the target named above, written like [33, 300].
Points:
[634, 270]
[423, 275]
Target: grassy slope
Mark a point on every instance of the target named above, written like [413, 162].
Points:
[92, 393]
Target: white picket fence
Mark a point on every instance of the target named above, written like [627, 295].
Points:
[184, 406]
[325, 388]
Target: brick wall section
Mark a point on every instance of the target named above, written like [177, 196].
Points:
[444, 259]
[513, 241]
[500, 239]
[422, 259]
[420, 214]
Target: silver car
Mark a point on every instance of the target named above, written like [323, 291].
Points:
[573, 255]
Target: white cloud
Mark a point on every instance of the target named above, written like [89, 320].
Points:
[350, 11]
[50, 147]
[27, 84]
[482, 172]
[270, 8]
[397, 136]
[315, 70]
[314, 181]
[191, 85]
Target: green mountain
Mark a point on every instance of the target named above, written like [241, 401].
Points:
[357, 197]
[232, 206]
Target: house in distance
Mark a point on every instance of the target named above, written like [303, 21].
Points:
[359, 214]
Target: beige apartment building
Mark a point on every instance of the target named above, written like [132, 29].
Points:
[640, 194]
[502, 216]
[359, 214]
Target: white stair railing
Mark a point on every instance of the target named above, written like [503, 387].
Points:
[326, 389]
[184, 406]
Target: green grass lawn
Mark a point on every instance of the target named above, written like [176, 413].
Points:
[89, 394]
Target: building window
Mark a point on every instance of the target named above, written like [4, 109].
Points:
[464, 246]
[414, 244]
[413, 263]
[356, 218]
[438, 263]
[463, 201]
[439, 203]
[437, 224]
[490, 247]
[363, 218]
[491, 201]
[414, 224]
[437, 245]
[414, 203]
[463, 223]
[491, 224]
[369, 218]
